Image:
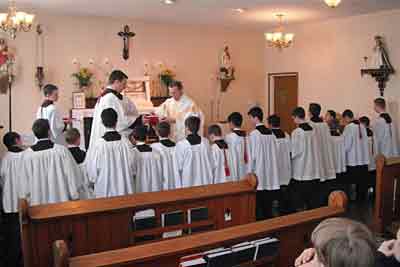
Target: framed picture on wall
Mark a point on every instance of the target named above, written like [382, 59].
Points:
[78, 100]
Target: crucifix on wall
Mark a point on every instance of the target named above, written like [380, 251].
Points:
[126, 36]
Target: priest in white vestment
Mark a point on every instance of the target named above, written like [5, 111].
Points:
[48, 171]
[128, 115]
[49, 111]
[177, 109]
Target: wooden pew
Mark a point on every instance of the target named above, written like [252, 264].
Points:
[92, 226]
[293, 231]
[387, 201]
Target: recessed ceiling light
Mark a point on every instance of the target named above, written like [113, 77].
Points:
[169, 2]
[239, 10]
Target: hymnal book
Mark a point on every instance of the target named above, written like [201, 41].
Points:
[244, 253]
[220, 259]
[198, 262]
[196, 215]
[266, 248]
[145, 219]
[171, 219]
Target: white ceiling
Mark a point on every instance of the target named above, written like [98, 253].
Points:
[210, 12]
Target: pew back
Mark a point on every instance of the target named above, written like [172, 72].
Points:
[387, 201]
[92, 226]
[293, 231]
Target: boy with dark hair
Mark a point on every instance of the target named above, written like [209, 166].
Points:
[221, 157]
[49, 181]
[333, 123]
[73, 139]
[238, 147]
[194, 156]
[149, 171]
[264, 163]
[305, 165]
[167, 148]
[110, 162]
[385, 131]
[11, 186]
[357, 153]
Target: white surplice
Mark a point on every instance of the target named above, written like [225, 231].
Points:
[149, 171]
[10, 181]
[221, 158]
[283, 156]
[127, 115]
[324, 144]
[180, 111]
[56, 122]
[385, 137]
[238, 148]
[50, 176]
[356, 145]
[263, 160]
[194, 163]
[305, 156]
[171, 177]
[339, 154]
[111, 167]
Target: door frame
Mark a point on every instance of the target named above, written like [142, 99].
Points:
[271, 98]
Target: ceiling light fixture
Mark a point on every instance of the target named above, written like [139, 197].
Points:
[169, 2]
[239, 10]
[278, 38]
[333, 3]
[14, 21]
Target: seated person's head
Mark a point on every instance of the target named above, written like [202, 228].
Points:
[347, 116]
[314, 110]
[140, 133]
[274, 121]
[109, 117]
[235, 120]
[163, 129]
[12, 139]
[214, 132]
[340, 242]
[41, 129]
[256, 115]
[365, 121]
[330, 116]
[192, 124]
[50, 91]
[73, 137]
[298, 115]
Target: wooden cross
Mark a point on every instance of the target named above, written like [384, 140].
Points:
[126, 35]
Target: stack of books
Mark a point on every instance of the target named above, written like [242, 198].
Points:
[143, 220]
[171, 219]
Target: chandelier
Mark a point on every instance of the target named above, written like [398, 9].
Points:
[332, 3]
[15, 21]
[279, 39]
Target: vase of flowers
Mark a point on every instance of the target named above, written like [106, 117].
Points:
[84, 78]
[166, 77]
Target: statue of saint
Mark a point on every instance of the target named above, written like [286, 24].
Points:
[381, 57]
[226, 68]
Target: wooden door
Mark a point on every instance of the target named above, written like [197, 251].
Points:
[285, 100]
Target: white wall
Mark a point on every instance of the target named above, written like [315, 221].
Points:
[329, 56]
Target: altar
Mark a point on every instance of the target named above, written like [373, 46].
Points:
[138, 90]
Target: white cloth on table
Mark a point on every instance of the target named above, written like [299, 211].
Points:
[356, 145]
[339, 154]
[50, 176]
[149, 171]
[56, 122]
[237, 146]
[283, 156]
[385, 137]
[194, 163]
[111, 167]
[10, 181]
[171, 177]
[221, 158]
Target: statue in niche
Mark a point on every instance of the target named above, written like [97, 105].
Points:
[381, 57]
[226, 68]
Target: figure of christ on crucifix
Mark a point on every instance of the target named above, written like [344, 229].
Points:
[126, 36]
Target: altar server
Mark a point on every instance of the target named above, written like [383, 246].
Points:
[149, 171]
[49, 111]
[10, 185]
[221, 159]
[333, 123]
[110, 162]
[194, 156]
[167, 149]
[372, 152]
[264, 163]
[282, 141]
[238, 146]
[385, 134]
[48, 170]
[73, 139]
[128, 116]
[305, 164]
[357, 152]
